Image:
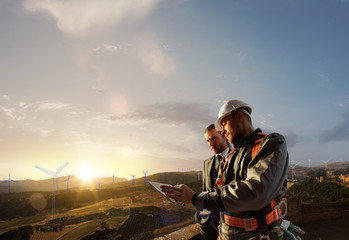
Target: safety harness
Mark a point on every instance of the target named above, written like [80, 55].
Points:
[274, 214]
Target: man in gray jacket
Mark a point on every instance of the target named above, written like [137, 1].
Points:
[248, 191]
[209, 220]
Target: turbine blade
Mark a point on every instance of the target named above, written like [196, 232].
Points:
[61, 168]
[46, 171]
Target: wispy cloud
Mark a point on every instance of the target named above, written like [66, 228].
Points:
[4, 119]
[108, 48]
[191, 114]
[81, 17]
[292, 139]
[51, 105]
[11, 113]
[5, 97]
[323, 79]
[340, 131]
[154, 58]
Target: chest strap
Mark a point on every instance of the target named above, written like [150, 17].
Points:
[255, 150]
[258, 145]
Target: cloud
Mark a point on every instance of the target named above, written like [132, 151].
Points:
[191, 114]
[340, 131]
[323, 79]
[99, 88]
[292, 139]
[26, 114]
[11, 114]
[108, 48]
[5, 97]
[52, 105]
[81, 17]
[4, 119]
[148, 51]
[153, 57]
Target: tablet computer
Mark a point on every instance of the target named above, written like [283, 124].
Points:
[157, 185]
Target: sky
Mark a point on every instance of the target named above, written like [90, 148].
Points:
[118, 87]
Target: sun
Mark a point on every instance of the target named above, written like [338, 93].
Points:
[86, 173]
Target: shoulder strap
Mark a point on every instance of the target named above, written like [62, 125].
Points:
[258, 144]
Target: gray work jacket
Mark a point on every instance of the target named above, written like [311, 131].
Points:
[250, 185]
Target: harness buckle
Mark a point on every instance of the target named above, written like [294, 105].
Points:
[279, 210]
[261, 237]
[248, 224]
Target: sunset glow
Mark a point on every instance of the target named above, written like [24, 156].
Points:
[86, 173]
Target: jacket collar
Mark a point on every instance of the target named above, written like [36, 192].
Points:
[249, 140]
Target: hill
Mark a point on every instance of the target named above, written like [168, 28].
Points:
[46, 184]
[76, 183]
[133, 211]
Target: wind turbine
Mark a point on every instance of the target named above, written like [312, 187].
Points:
[99, 190]
[293, 166]
[54, 175]
[133, 179]
[9, 180]
[199, 175]
[145, 176]
[325, 162]
[68, 181]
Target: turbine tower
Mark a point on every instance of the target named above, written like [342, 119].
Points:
[9, 180]
[293, 166]
[309, 160]
[99, 190]
[133, 179]
[54, 176]
[199, 175]
[68, 181]
[145, 176]
[325, 163]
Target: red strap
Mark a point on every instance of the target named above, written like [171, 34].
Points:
[258, 145]
[220, 179]
[255, 150]
[250, 224]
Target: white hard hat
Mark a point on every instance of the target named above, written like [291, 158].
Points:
[229, 107]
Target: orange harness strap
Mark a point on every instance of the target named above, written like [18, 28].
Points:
[220, 178]
[250, 224]
[258, 145]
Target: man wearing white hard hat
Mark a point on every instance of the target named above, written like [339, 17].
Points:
[248, 191]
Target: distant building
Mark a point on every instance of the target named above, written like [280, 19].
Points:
[344, 179]
[321, 179]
